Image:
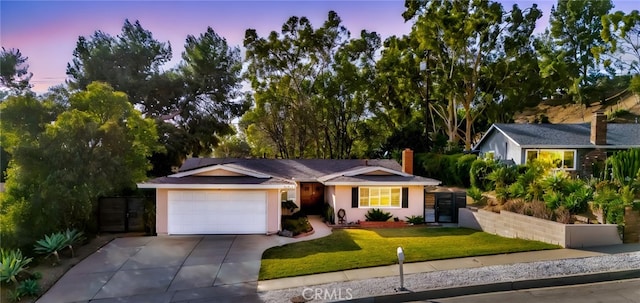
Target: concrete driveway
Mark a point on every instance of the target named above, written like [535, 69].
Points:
[215, 268]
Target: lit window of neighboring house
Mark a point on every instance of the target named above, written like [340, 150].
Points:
[559, 158]
[389, 197]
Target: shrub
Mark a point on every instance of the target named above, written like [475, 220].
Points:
[514, 206]
[480, 169]
[442, 167]
[297, 225]
[502, 176]
[611, 204]
[29, 288]
[502, 194]
[51, 244]
[415, 219]
[516, 190]
[289, 205]
[13, 263]
[328, 214]
[625, 165]
[463, 165]
[562, 215]
[73, 236]
[552, 199]
[377, 215]
[478, 197]
[556, 181]
[537, 209]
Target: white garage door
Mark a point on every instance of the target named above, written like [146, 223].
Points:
[217, 212]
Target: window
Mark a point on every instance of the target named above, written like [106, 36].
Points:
[562, 159]
[380, 197]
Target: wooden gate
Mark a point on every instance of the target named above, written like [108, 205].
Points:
[121, 214]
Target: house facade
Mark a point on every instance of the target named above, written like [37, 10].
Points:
[576, 148]
[243, 196]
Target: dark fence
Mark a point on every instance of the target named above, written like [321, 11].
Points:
[121, 214]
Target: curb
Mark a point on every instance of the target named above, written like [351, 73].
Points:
[502, 286]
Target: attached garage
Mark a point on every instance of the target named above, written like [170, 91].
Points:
[217, 212]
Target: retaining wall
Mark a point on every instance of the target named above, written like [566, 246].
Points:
[512, 225]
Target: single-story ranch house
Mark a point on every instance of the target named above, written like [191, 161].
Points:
[243, 196]
[572, 147]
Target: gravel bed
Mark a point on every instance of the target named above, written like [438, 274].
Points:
[458, 277]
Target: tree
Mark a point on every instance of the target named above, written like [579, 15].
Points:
[308, 88]
[211, 72]
[14, 74]
[466, 38]
[63, 162]
[192, 104]
[575, 27]
[621, 32]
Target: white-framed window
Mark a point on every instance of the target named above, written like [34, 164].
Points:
[377, 197]
[559, 158]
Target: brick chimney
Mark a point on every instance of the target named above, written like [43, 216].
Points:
[599, 129]
[407, 161]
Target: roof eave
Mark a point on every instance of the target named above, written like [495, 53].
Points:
[384, 183]
[215, 186]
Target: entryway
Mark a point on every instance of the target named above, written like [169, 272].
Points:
[442, 207]
[311, 198]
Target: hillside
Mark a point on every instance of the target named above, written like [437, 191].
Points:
[560, 112]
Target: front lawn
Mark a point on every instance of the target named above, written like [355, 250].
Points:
[358, 248]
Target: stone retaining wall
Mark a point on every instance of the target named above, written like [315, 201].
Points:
[512, 225]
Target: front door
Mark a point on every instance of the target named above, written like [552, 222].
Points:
[311, 198]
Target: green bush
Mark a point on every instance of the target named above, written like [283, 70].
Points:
[625, 166]
[502, 176]
[29, 288]
[297, 225]
[611, 203]
[13, 263]
[477, 195]
[72, 237]
[377, 215]
[452, 170]
[415, 219]
[463, 164]
[328, 214]
[517, 190]
[479, 171]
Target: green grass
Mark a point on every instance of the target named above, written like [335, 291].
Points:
[358, 248]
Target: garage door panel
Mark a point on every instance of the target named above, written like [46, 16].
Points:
[217, 212]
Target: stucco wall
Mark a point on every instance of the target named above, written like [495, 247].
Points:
[273, 210]
[512, 225]
[341, 198]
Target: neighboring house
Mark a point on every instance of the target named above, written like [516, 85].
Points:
[577, 148]
[243, 196]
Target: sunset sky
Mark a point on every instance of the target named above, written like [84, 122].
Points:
[46, 31]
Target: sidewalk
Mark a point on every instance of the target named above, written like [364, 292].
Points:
[439, 265]
[419, 267]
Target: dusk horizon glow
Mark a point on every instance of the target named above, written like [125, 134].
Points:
[47, 31]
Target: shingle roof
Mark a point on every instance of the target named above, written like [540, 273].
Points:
[299, 169]
[286, 172]
[569, 135]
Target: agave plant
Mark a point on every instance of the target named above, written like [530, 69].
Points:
[51, 244]
[73, 236]
[12, 264]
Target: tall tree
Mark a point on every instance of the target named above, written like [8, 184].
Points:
[192, 104]
[62, 163]
[621, 32]
[466, 39]
[575, 27]
[14, 72]
[308, 88]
